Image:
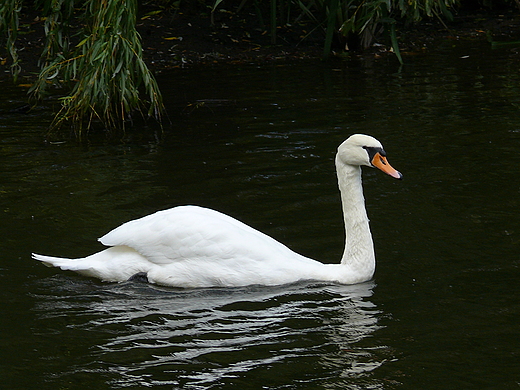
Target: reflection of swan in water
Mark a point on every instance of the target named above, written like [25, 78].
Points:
[196, 247]
[202, 338]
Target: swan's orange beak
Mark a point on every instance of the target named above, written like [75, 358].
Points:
[379, 161]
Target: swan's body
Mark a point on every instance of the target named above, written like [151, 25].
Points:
[190, 246]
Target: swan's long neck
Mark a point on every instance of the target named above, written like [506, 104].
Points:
[359, 248]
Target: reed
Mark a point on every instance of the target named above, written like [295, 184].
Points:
[365, 17]
[361, 18]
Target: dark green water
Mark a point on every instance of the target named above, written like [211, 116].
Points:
[443, 311]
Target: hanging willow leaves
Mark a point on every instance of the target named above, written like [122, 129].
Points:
[9, 11]
[105, 69]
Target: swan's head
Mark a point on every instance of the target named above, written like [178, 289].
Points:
[360, 149]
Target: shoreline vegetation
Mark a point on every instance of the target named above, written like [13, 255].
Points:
[101, 57]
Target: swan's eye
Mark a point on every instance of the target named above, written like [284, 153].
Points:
[372, 151]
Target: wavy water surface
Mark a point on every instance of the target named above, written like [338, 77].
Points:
[134, 335]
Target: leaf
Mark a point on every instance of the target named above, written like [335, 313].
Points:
[118, 68]
[217, 2]
[54, 74]
[395, 44]
[150, 14]
[85, 40]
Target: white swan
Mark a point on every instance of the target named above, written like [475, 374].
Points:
[190, 246]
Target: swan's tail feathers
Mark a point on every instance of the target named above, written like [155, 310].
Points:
[82, 266]
[115, 264]
[87, 266]
[59, 262]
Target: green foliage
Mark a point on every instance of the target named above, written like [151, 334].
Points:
[9, 10]
[104, 72]
[362, 18]
[105, 68]
[57, 14]
[100, 59]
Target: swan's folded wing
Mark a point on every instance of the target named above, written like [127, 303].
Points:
[190, 232]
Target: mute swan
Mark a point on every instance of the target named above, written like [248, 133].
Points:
[190, 246]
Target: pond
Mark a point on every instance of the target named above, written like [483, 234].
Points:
[258, 143]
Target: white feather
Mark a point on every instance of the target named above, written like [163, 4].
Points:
[190, 246]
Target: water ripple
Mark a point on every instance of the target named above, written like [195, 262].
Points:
[253, 337]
